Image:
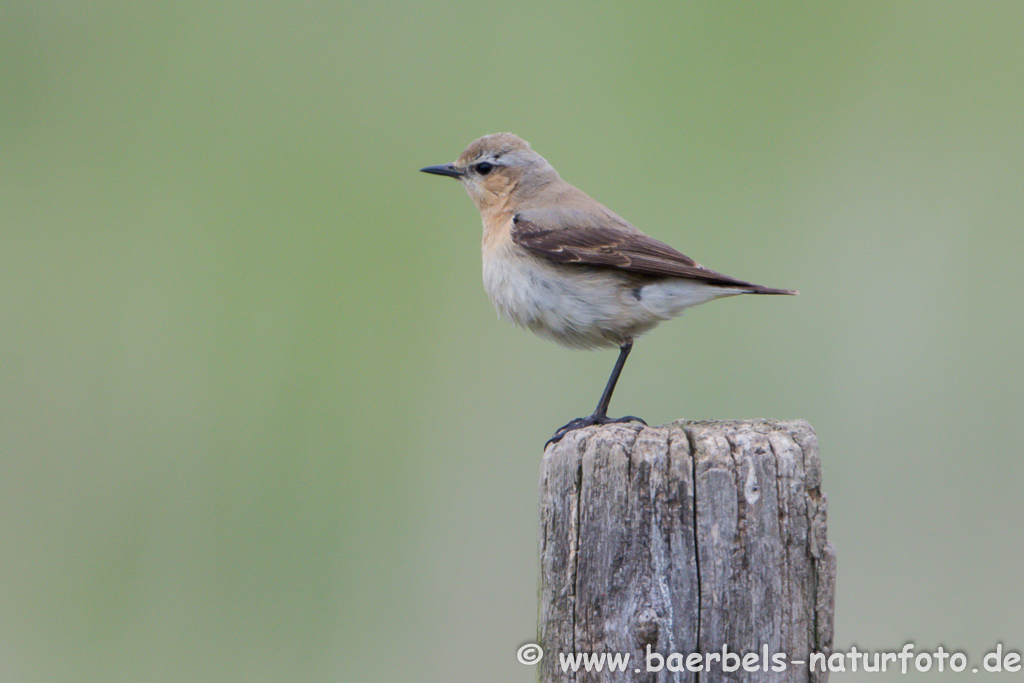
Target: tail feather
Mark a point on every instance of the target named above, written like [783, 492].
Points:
[758, 289]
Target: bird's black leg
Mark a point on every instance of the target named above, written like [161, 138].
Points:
[600, 415]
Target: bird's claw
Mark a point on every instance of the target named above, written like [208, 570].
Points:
[589, 421]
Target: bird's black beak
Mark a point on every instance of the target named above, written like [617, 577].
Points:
[444, 169]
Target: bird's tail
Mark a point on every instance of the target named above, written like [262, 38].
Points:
[758, 289]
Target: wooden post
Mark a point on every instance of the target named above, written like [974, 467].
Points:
[685, 539]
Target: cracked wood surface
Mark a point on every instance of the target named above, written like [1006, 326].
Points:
[685, 538]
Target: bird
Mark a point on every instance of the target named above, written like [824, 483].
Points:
[567, 268]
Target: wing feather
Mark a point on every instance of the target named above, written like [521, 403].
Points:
[612, 247]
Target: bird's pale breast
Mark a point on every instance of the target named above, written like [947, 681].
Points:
[578, 307]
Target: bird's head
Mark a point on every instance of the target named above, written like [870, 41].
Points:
[497, 169]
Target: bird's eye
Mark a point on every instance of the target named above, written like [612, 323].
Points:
[484, 167]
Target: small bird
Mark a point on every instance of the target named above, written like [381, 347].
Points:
[568, 268]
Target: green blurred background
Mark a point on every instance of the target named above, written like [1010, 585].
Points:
[260, 422]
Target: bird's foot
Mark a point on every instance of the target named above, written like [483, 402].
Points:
[590, 420]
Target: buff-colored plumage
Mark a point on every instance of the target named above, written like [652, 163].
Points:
[565, 266]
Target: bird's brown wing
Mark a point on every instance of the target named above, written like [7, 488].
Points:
[634, 252]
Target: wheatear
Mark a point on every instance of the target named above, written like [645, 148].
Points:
[566, 267]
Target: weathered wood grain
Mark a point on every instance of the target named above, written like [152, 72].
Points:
[681, 539]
